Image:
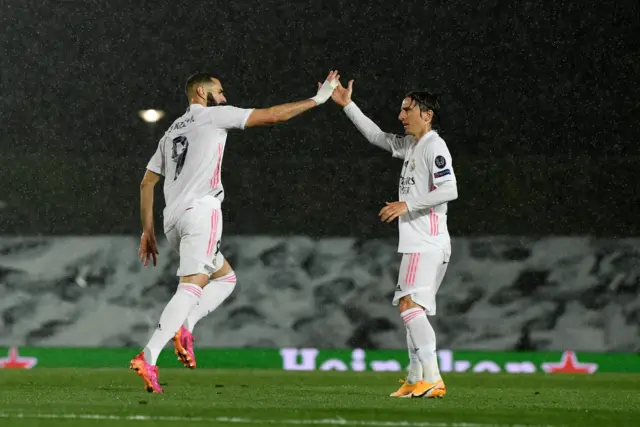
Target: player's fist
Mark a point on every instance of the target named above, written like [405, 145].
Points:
[342, 95]
[392, 211]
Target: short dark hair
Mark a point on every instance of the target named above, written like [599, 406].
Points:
[427, 101]
[196, 79]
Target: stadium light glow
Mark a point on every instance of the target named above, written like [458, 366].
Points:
[151, 116]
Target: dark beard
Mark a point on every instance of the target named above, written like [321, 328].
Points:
[211, 101]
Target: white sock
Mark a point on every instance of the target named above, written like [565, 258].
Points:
[424, 338]
[176, 310]
[414, 373]
[212, 296]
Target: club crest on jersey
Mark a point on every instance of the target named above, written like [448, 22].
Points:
[413, 164]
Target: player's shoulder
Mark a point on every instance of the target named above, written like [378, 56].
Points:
[217, 109]
[435, 142]
[401, 140]
[222, 114]
[435, 137]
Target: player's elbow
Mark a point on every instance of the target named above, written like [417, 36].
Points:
[454, 195]
[451, 190]
[149, 180]
[454, 192]
[375, 138]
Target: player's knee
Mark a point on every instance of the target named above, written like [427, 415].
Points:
[224, 284]
[406, 303]
[223, 271]
[197, 279]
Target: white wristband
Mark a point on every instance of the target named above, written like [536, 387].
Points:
[325, 91]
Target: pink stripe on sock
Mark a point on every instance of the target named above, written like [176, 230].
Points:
[195, 290]
[229, 277]
[412, 315]
[410, 312]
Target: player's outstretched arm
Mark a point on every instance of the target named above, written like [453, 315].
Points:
[366, 126]
[284, 112]
[148, 246]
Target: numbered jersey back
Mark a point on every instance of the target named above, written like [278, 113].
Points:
[189, 156]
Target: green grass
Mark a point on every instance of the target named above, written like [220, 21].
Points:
[61, 397]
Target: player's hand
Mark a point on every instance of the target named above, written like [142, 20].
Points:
[342, 95]
[392, 211]
[148, 248]
[326, 89]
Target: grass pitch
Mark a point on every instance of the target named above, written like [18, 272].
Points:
[206, 397]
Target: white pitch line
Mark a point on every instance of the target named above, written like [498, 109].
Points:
[237, 420]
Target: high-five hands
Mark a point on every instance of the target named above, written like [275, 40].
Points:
[392, 211]
[342, 95]
[326, 89]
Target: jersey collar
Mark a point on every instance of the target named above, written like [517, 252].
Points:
[193, 107]
[425, 136]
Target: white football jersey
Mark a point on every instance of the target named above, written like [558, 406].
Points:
[189, 156]
[427, 164]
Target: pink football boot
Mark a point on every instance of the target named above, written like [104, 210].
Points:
[149, 373]
[183, 347]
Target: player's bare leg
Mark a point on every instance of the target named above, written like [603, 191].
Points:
[186, 297]
[222, 283]
[423, 338]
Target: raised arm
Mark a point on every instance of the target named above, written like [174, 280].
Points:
[387, 141]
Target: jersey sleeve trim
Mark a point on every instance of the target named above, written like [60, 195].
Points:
[246, 117]
[155, 169]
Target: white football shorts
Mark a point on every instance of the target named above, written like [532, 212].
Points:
[420, 276]
[196, 236]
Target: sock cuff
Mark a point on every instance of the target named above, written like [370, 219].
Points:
[410, 314]
[228, 278]
[191, 288]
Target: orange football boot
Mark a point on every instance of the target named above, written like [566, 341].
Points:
[405, 390]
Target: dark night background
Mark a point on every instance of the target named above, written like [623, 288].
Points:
[541, 105]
